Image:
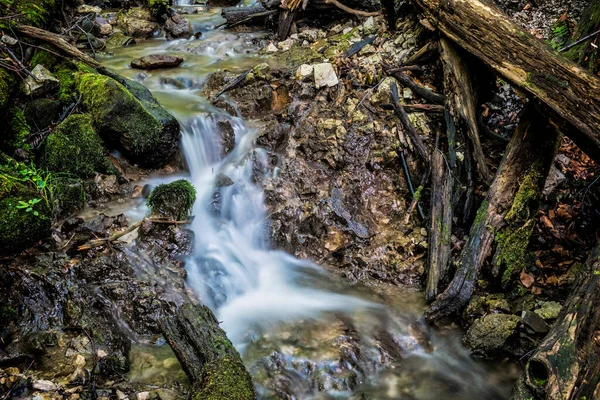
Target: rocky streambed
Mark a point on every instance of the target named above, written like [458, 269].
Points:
[303, 240]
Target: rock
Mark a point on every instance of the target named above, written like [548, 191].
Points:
[311, 35]
[325, 75]
[370, 26]
[223, 180]
[534, 323]
[118, 39]
[548, 310]
[173, 200]
[129, 119]
[9, 40]
[555, 178]
[138, 22]
[489, 334]
[407, 93]
[42, 112]
[106, 29]
[42, 82]
[381, 96]
[87, 9]
[286, 44]
[304, 72]
[177, 26]
[44, 386]
[143, 396]
[156, 61]
[271, 48]
[75, 147]
[121, 395]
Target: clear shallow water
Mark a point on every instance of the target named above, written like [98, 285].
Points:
[302, 332]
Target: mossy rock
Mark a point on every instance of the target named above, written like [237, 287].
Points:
[68, 197]
[18, 129]
[128, 120]
[36, 13]
[225, 379]
[41, 113]
[7, 88]
[19, 228]
[173, 200]
[159, 9]
[74, 147]
[45, 58]
[489, 334]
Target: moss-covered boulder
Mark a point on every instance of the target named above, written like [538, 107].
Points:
[29, 12]
[18, 130]
[20, 225]
[41, 113]
[489, 335]
[173, 200]
[76, 148]
[129, 119]
[225, 379]
[7, 87]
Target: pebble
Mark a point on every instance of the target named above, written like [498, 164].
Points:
[325, 75]
[44, 386]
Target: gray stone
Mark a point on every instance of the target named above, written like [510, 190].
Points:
[223, 180]
[548, 309]
[325, 75]
[304, 72]
[489, 334]
[534, 322]
[40, 83]
[555, 178]
[178, 27]
[370, 26]
[156, 61]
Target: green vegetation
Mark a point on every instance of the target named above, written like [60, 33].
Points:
[173, 200]
[225, 378]
[74, 147]
[159, 8]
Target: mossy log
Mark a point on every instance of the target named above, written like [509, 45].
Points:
[440, 228]
[206, 355]
[566, 364]
[461, 101]
[505, 218]
[484, 31]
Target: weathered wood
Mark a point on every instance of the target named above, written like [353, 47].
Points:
[206, 355]
[461, 101]
[440, 228]
[580, 50]
[419, 90]
[566, 365]
[408, 125]
[484, 31]
[504, 217]
[236, 15]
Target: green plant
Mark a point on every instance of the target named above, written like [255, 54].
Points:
[28, 206]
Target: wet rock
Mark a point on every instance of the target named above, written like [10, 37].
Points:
[118, 39]
[173, 200]
[138, 23]
[223, 180]
[226, 137]
[488, 335]
[271, 48]
[325, 75]
[534, 323]
[87, 9]
[41, 113]
[286, 44]
[177, 26]
[548, 310]
[42, 82]
[156, 61]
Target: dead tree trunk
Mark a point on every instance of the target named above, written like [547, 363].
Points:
[505, 218]
[483, 30]
[440, 228]
[566, 366]
[207, 356]
[461, 101]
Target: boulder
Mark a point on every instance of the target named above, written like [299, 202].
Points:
[129, 119]
[40, 82]
[177, 26]
[488, 335]
[118, 39]
[156, 61]
[325, 75]
[75, 147]
[174, 200]
[138, 23]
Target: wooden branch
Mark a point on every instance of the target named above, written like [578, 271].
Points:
[419, 90]
[440, 226]
[424, 55]
[432, 108]
[566, 364]
[351, 10]
[408, 125]
[484, 31]
[511, 202]
[461, 101]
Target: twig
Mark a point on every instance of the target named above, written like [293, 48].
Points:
[351, 10]
[411, 186]
[583, 39]
[232, 84]
[421, 91]
[12, 55]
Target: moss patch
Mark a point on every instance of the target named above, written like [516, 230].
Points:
[223, 379]
[19, 130]
[174, 200]
[75, 148]
[7, 86]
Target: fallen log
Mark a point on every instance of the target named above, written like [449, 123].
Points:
[206, 355]
[241, 15]
[566, 365]
[566, 88]
[461, 101]
[505, 218]
[408, 125]
[440, 228]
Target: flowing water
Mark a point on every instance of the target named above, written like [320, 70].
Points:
[302, 332]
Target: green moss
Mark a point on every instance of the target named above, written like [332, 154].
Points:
[7, 86]
[44, 58]
[174, 200]
[19, 130]
[37, 13]
[225, 379]
[158, 8]
[117, 114]
[584, 53]
[67, 196]
[65, 73]
[74, 147]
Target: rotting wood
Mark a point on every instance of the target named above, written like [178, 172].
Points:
[408, 125]
[419, 90]
[424, 55]
[440, 225]
[461, 100]
[486, 32]
[566, 364]
[520, 178]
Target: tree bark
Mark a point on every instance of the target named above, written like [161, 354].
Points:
[461, 101]
[504, 217]
[566, 366]
[440, 228]
[206, 355]
[569, 90]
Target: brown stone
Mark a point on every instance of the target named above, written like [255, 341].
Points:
[156, 61]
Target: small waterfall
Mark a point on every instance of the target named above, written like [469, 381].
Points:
[234, 270]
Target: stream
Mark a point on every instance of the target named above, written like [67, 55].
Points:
[303, 332]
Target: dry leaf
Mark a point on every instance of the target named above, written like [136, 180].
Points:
[536, 290]
[527, 279]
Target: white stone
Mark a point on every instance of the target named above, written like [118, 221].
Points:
[87, 9]
[41, 82]
[304, 72]
[142, 396]
[325, 75]
[369, 26]
[121, 395]
[79, 360]
[347, 30]
[101, 353]
[309, 34]
[271, 48]
[286, 44]
[9, 40]
[407, 93]
[44, 386]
